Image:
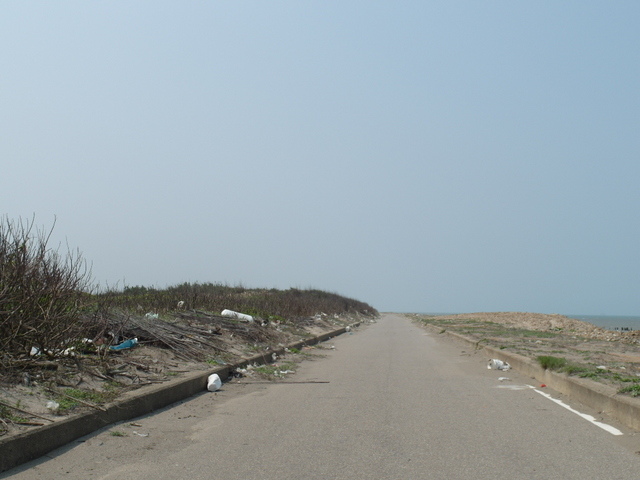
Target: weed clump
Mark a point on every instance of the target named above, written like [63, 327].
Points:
[551, 363]
[633, 390]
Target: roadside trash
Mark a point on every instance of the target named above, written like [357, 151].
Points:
[495, 364]
[504, 379]
[213, 382]
[601, 367]
[67, 352]
[347, 329]
[151, 316]
[125, 345]
[542, 386]
[181, 304]
[239, 316]
[140, 434]
[274, 357]
[53, 406]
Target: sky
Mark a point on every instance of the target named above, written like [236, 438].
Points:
[441, 156]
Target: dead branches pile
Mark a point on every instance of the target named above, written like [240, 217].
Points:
[192, 336]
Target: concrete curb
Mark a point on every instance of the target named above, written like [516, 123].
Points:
[28, 446]
[602, 398]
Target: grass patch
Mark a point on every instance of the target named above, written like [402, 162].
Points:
[633, 390]
[274, 371]
[9, 414]
[551, 363]
[70, 401]
[625, 378]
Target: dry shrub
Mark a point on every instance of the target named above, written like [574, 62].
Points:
[41, 291]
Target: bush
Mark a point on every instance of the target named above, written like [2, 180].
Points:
[41, 290]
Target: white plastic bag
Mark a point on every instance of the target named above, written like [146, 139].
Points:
[213, 382]
[237, 315]
[495, 364]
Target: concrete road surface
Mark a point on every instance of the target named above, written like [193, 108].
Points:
[401, 404]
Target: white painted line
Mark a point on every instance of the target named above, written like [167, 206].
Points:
[514, 387]
[604, 426]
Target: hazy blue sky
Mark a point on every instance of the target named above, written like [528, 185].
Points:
[419, 156]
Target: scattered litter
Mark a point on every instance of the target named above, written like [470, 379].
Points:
[151, 316]
[601, 367]
[495, 364]
[181, 304]
[213, 382]
[53, 406]
[134, 424]
[542, 385]
[504, 379]
[125, 345]
[347, 329]
[237, 315]
[274, 357]
[67, 352]
[140, 434]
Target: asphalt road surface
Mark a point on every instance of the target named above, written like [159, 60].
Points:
[401, 403]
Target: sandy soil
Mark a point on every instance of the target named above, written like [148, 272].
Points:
[26, 395]
[535, 334]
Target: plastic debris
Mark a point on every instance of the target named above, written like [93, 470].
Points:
[601, 367]
[237, 315]
[213, 382]
[504, 379]
[347, 329]
[151, 316]
[53, 406]
[140, 434]
[125, 345]
[495, 364]
[181, 304]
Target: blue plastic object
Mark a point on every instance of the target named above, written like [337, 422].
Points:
[126, 344]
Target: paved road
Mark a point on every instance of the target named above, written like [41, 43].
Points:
[401, 404]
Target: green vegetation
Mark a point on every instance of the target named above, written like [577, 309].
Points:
[275, 371]
[74, 397]
[633, 390]
[9, 415]
[551, 363]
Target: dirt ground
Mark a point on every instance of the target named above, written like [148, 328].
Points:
[45, 391]
[606, 356]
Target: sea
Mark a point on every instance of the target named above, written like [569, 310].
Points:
[610, 322]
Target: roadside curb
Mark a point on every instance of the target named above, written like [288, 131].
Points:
[592, 394]
[28, 446]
